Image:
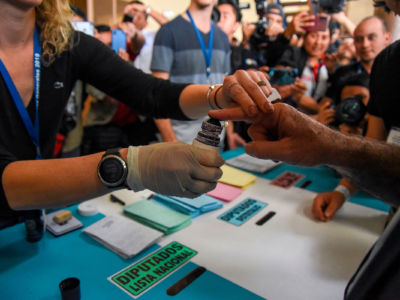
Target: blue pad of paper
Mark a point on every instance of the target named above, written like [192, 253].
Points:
[192, 207]
[157, 216]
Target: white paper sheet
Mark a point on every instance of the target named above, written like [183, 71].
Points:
[123, 236]
[250, 163]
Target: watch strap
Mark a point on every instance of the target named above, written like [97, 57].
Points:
[112, 151]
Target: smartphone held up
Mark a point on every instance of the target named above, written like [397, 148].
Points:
[321, 23]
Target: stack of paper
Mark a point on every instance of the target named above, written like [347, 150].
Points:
[253, 164]
[123, 236]
[157, 216]
[235, 177]
[225, 192]
[193, 207]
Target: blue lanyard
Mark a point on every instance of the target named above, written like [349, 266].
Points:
[207, 54]
[33, 129]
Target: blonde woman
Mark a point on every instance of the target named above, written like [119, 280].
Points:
[37, 33]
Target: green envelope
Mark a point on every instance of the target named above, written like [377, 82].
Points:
[157, 216]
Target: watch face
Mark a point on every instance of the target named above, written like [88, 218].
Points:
[112, 170]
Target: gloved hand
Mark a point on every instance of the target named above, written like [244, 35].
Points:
[175, 169]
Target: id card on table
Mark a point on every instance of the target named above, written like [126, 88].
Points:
[287, 179]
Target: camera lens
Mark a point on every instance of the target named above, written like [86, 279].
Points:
[351, 110]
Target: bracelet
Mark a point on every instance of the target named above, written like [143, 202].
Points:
[208, 95]
[344, 190]
[215, 96]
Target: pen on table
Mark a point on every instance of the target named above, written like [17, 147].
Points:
[305, 184]
[116, 199]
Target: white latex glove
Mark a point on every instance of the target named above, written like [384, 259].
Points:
[175, 169]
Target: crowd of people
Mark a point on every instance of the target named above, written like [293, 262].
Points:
[144, 94]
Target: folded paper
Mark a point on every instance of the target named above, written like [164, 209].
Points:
[236, 177]
[155, 215]
[193, 207]
[225, 192]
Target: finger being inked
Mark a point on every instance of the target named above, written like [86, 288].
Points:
[234, 114]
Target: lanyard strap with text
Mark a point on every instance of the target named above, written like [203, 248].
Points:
[207, 54]
[33, 129]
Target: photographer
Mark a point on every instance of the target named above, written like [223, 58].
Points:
[269, 38]
[309, 62]
[139, 13]
[348, 110]
[229, 22]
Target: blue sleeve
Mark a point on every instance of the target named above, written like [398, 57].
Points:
[163, 50]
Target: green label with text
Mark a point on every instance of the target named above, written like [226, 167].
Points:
[142, 275]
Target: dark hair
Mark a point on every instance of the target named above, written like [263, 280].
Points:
[102, 28]
[136, 2]
[381, 3]
[275, 6]
[236, 8]
[78, 12]
[332, 6]
[352, 79]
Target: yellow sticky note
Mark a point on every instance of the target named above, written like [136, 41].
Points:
[236, 177]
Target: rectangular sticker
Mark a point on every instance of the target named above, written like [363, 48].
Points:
[242, 212]
[287, 179]
[144, 274]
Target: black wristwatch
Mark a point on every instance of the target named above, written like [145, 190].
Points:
[112, 169]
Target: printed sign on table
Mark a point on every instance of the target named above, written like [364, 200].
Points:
[149, 271]
[242, 212]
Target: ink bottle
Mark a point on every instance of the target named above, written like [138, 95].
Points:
[208, 136]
